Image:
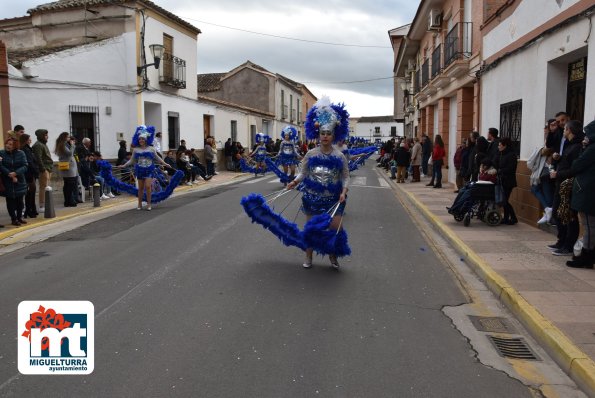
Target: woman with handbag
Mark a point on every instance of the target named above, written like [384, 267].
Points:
[13, 167]
[65, 147]
[506, 164]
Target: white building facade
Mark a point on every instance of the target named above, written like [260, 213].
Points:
[535, 66]
[377, 128]
[60, 82]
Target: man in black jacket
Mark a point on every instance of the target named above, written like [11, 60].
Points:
[567, 233]
[493, 143]
[472, 153]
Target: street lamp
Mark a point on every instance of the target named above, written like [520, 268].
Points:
[157, 51]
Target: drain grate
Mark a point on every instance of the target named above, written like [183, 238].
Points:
[513, 347]
[492, 324]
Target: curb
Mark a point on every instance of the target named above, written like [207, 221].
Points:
[47, 221]
[578, 365]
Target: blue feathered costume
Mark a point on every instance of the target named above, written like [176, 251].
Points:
[144, 161]
[288, 154]
[260, 156]
[322, 178]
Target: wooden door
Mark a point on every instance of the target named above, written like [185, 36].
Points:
[576, 90]
[206, 122]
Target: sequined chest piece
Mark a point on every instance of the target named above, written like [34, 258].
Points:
[324, 175]
[288, 149]
[261, 150]
[145, 159]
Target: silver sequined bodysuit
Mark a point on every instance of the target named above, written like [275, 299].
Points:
[323, 175]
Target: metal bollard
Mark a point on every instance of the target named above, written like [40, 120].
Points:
[96, 195]
[49, 203]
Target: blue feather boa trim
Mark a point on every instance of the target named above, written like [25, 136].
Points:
[284, 178]
[287, 160]
[106, 172]
[255, 206]
[316, 234]
[248, 168]
[358, 151]
[323, 240]
[355, 164]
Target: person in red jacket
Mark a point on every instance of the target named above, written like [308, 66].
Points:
[437, 160]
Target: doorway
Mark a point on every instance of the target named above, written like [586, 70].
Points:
[576, 89]
[84, 124]
[206, 123]
[173, 130]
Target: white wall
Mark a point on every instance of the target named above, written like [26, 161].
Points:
[280, 123]
[223, 118]
[529, 75]
[190, 117]
[43, 102]
[366, 130]
[184, 48]
[523, 20]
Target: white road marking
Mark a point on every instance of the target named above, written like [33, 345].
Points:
[383, 182]
[256, 179]
[358, 181]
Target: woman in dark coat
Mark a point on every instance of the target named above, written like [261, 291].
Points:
[479, 153]
[583, 198]
[122, 153]
[31, 175]
[506, 163]
[13, 167]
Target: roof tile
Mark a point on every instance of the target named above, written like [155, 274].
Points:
[66, 4]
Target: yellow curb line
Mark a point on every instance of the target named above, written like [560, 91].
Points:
[14, 231]
[578, 365]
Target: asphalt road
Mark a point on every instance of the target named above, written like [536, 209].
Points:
[192, 299]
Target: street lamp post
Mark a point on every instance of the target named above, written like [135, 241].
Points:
[157, 51]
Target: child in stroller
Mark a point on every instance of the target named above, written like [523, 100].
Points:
[477, 199]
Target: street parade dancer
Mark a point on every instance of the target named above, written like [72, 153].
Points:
[323, 181]
[324, 178]
[288, 156]
[145, 160]
[260, 156]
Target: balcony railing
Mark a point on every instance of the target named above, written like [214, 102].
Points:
[425, 73]
[284, 109]
[436, 61]
[172, 71]
[415, 78]
[458, 42]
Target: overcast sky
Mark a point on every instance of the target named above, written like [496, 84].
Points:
[319, 66]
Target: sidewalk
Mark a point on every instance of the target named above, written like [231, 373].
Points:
[556, 303]
[65, 213]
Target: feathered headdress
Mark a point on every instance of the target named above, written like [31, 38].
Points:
[259, 138]
[146, 132]
[291, 131]
[325, 116]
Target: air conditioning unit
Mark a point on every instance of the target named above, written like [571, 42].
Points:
[410, 66]
[435, 20]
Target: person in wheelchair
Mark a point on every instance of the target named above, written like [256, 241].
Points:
[464, 201]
